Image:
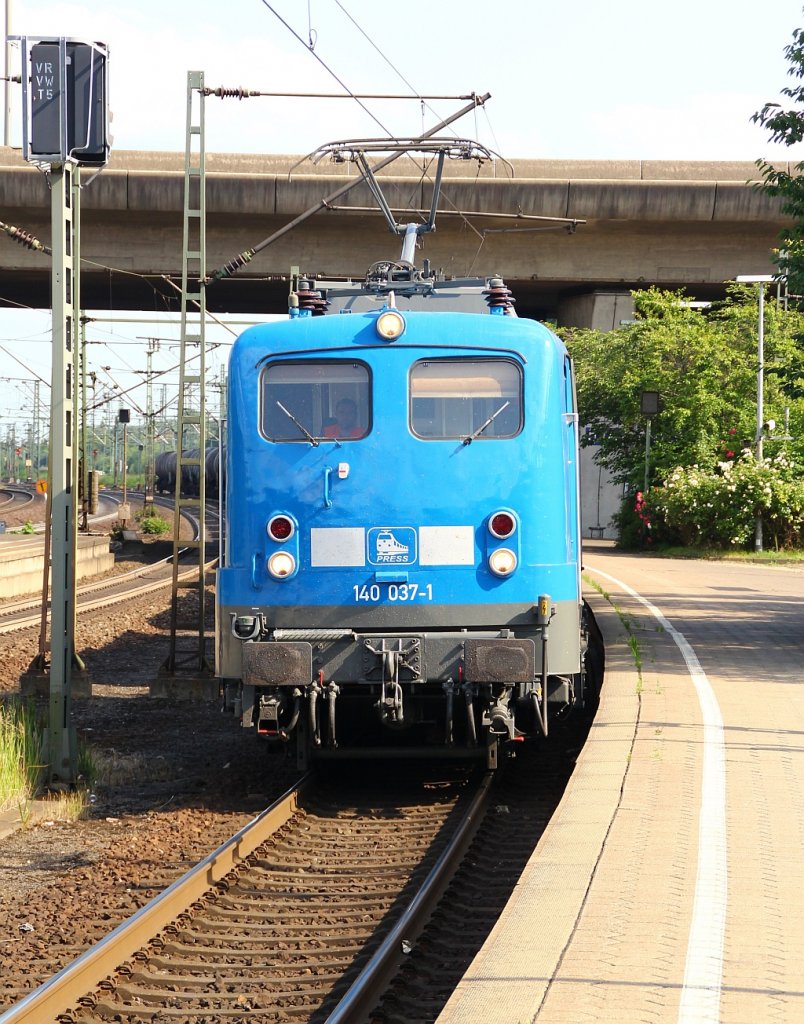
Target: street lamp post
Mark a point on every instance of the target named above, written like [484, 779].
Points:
[761, 280]
[124, 416]
[649, 407]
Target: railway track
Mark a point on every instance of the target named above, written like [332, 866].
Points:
[344, 902]
[101, 593]
[14, 498]
[310, 903]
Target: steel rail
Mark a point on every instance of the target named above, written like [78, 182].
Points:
[368, 987]
[109, 583]
[15, 494]
[8, 608]
[83, 975]
[100, 602]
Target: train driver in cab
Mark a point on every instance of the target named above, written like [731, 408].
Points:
[345, 426]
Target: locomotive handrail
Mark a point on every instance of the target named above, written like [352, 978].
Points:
[254, 584]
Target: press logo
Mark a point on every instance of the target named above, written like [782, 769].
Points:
[391, 545]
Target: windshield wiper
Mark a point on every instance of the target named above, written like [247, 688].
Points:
[313, 440]
[482, 427]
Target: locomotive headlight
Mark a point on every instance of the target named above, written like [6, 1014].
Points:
[502, 562]
[390, 324]
[281, 564]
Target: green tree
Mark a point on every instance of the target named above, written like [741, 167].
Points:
[787, 126]
[703, 363]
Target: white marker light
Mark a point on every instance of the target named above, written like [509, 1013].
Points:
[281, 564]
[502, 562]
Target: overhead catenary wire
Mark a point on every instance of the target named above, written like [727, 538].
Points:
[415, 94]
[23, 365]
[328, 69]
[245, 256]
[395, 69]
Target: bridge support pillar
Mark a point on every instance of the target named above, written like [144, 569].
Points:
[600, 310]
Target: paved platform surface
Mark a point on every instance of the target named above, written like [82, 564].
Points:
[670, 884]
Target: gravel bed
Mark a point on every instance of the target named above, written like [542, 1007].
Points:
[177, 779]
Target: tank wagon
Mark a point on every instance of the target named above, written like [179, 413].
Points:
[402, 570]
[165, 473]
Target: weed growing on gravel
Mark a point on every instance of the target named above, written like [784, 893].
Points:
[154, 524]
[20, 755]
[22, 767]
[70, 805]
[633, 642]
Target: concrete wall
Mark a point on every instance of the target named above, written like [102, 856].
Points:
[600, 498]
[602, 311]
[21, 565]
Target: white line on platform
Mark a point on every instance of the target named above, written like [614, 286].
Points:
[703, 971]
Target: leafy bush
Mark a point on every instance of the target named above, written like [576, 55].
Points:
[718, 507]
[633, 522]
[154, 524]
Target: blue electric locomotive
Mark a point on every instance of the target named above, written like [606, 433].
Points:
[402, 570]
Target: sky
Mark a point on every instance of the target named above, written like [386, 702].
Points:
[584, 79]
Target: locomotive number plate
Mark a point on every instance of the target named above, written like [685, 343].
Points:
[395, 592]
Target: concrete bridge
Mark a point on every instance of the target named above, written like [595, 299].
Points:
[675, 224]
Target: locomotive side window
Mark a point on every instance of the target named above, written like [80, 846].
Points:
[325, 400]
[466, 398]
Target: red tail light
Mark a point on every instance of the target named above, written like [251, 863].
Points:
[501, 525]
[280, 528]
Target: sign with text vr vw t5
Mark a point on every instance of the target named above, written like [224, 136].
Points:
[69, 103]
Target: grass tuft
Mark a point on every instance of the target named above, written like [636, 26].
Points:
[20, 755]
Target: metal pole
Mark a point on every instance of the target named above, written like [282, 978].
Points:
[647, 458]
[115, 459]
[37, 438]
[760, 401]
[61, 742]
[7, 73]
[125, 460]
[148, 494]
[84, 464]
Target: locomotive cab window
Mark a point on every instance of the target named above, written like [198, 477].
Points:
[325, 400]
[466, 398]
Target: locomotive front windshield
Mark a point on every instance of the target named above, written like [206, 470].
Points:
[326, 400]
[452, 398]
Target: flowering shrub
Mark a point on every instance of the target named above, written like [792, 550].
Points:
[718, 507]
